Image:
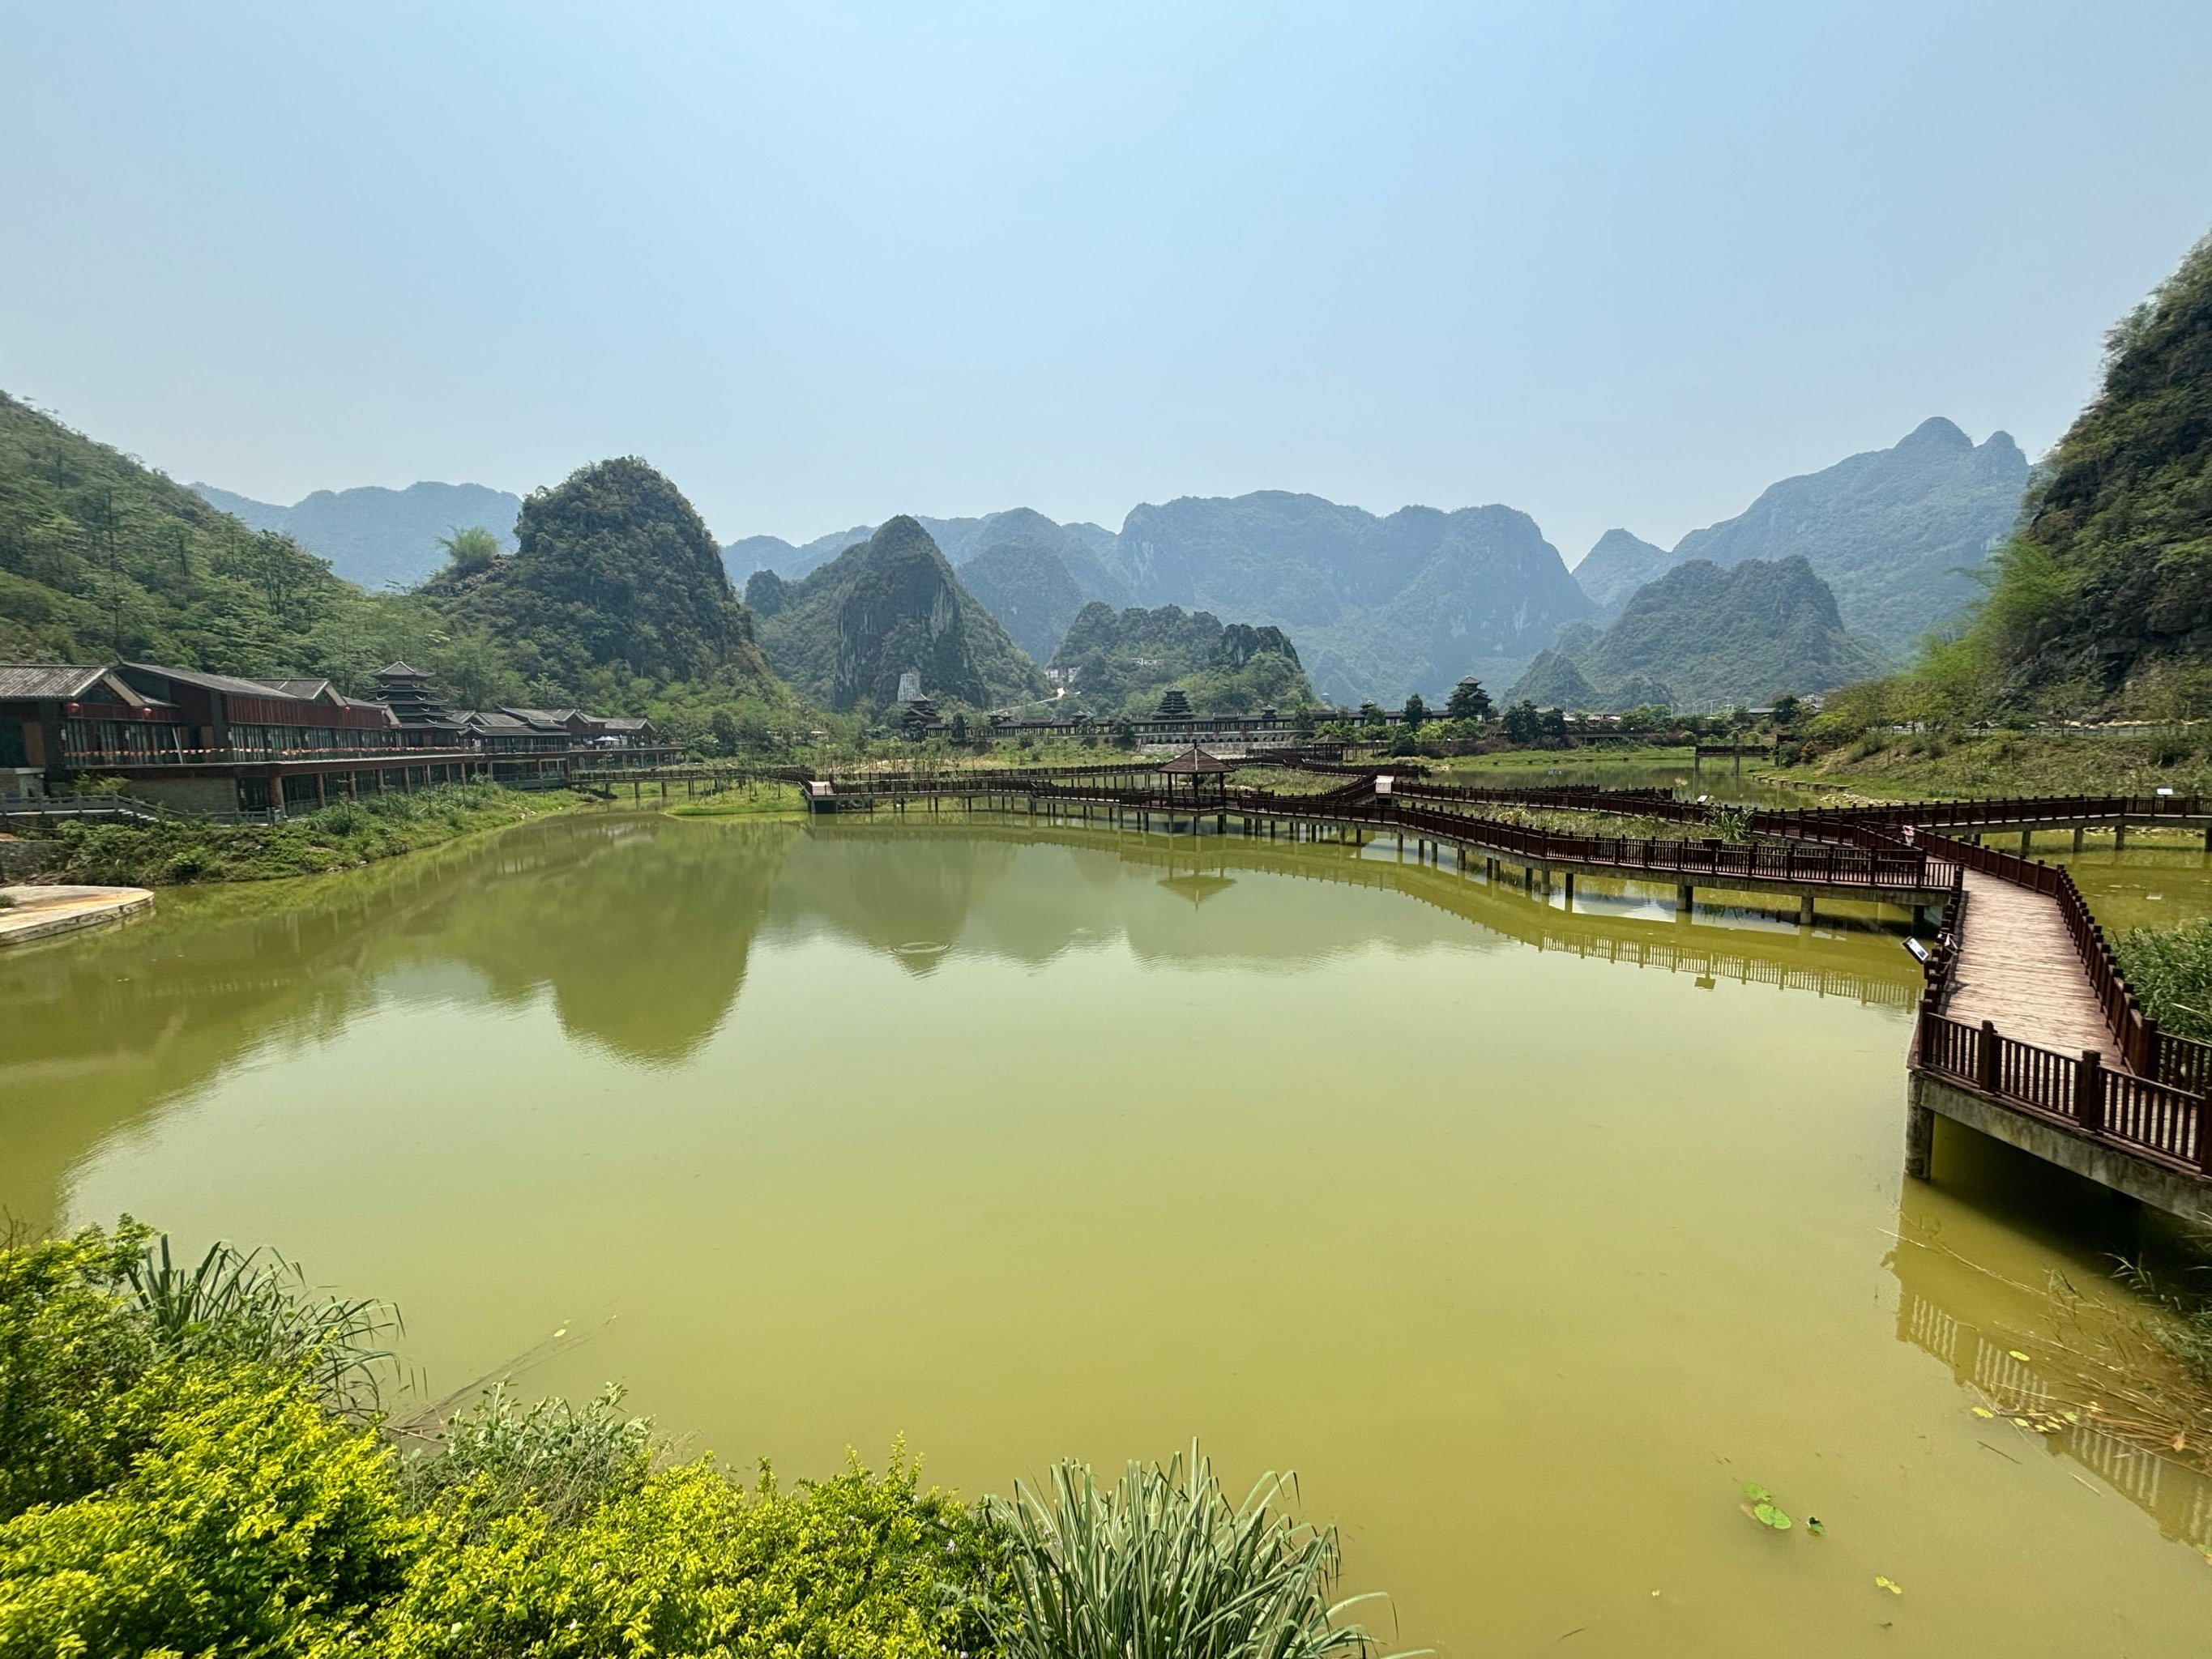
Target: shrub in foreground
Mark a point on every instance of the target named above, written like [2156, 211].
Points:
[193, 1461]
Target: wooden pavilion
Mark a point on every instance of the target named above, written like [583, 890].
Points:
[1206, 778]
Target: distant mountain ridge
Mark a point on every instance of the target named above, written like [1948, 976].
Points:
[1703, 637]
[1893, 531]
[957, 539]
[375, 537]
[1618, 564]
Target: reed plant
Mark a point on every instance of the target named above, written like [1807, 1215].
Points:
[253, 1307]
[1163, 1566]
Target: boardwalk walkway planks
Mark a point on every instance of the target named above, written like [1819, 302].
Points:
[2018, 969]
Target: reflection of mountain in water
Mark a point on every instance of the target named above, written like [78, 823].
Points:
[639, 927]
[643, 939]
[1999, 1341]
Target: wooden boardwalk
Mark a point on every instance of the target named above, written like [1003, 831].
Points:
[2018, 969]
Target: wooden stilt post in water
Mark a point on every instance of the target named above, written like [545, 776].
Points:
[2120, 836]
[1685, 899]
[1805, 911]
[2077, 839]
[1567, 892]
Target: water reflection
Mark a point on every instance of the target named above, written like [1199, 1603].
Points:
[638, 929]
[2041, 1341]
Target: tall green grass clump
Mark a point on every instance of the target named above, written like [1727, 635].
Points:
[2171, 971]
[187, 1467]
[1164, 1566]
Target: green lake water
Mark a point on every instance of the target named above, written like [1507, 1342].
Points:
[1526, 1237]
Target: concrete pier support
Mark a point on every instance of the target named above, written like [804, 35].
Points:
[2077, 839]
[2120, 836]
[1567, 892]
[1805, 911]
[1686, 898]
[1919, 1141]
[2027, 843]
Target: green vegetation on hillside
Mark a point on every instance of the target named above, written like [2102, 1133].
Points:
[198, 1459]
[848, 633]
[616, 593]
[2105, 597]
[2101, 605]
[1122, 660]
[339, 837]
[101, 558]
[1965, 762]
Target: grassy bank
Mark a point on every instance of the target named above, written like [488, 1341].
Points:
[205, 1459]
[1932, 765]
[340, 836]
[748, 799]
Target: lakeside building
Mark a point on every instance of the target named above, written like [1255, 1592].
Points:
[219, 743]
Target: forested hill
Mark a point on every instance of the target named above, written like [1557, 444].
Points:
[101, 558]
[1703, 638]
[848, 632]
[2105, 597]
[1122, 660]
[615, 588]
[381, 537]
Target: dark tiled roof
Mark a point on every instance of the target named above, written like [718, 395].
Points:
[46, 679]
[305, 690]
[228, 684]
[541, 716]
[399, 670]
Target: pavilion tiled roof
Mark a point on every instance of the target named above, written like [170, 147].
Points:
[1195, 759]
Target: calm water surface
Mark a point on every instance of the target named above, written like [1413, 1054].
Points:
[1527, 1237]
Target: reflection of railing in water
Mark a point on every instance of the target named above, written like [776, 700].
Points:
[1500, 909]
[2178, 1499]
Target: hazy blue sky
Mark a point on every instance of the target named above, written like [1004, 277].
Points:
[1612, 264]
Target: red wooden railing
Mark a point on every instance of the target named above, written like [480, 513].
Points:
[2139, 1115]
